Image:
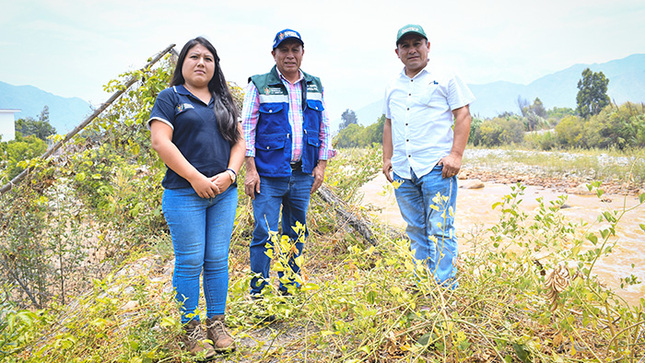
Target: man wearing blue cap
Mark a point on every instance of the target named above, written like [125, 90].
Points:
[287, 147]
[426, 130]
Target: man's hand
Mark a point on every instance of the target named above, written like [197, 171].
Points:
[252, 183]
[387, 169]
[451, 165]
[319, 175]
[252, 179]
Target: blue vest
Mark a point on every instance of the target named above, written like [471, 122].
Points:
[273, 138]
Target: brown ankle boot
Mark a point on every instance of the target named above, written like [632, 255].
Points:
[216, 332]
[196, 340]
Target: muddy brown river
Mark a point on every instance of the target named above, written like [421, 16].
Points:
[475, 214]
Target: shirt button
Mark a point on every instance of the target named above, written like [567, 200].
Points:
[270, 111]
[267, 148]
[409, 94]
[409, 156]
[408, 140]
[408, 108]
[406, 124]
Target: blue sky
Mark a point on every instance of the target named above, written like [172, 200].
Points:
[73, 48]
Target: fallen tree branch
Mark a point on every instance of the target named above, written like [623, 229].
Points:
[7, 187]
[344, 212]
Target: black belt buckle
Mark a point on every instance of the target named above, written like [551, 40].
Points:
[296, 165]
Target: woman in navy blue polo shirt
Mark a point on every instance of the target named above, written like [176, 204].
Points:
[194, 130]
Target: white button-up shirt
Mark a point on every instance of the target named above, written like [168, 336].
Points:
[421, 112]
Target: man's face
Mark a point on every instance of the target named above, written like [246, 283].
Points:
[413, 51]
[288, 56]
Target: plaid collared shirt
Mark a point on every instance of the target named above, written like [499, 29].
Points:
[251, 114]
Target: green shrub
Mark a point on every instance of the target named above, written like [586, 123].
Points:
[545, 140]
[499, 131]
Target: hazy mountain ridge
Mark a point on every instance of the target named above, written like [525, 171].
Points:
[64, 113]
[626, 83]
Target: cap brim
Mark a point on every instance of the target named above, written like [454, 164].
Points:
[287, 38]
[410, 32]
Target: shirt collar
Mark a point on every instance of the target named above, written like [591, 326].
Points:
[425, 69]
[180, 89]
[300, 78]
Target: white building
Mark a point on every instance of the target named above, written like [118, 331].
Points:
[7, 125]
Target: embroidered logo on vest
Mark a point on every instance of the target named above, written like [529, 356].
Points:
[273, 91]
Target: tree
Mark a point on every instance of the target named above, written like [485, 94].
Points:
[522, 104]
[348, 117]
[349, 137]
[41, 128]
[44, 114]
[538, 108]
[534, 114]
[592, 95]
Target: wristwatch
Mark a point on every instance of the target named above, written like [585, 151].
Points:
[232, 174]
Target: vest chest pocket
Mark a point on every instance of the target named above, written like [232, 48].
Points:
[315, 105]
[270, 141]
[271, 108]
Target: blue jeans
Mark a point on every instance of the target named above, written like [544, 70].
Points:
[201, 234]
[292, 193]
[431, 231]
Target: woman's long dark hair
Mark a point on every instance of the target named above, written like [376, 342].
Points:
[225, 110]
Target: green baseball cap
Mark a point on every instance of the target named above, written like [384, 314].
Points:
[410, 28]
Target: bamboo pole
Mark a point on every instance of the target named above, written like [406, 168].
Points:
[7, 187]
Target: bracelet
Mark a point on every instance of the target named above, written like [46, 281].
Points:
[233, 176]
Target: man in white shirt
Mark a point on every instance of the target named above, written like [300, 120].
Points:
[422, 151]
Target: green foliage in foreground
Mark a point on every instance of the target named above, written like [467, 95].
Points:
[366, 303]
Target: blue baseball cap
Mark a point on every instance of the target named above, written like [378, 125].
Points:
[286, 34]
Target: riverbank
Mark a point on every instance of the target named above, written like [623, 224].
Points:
[482, 185]
[560, 171]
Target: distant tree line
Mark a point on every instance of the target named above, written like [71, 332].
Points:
[351, 134]
[595, 123]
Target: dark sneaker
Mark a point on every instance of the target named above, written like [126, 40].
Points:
[196, 341]
[263, 316]
[217, 333]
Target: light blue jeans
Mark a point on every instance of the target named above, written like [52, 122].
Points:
[201, 234]
[431, 231]
[292, 193]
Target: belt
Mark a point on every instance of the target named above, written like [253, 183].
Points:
[296, 165]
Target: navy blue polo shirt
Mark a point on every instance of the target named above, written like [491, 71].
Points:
[195, 133]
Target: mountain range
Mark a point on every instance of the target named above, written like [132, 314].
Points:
[626, 83]
[64, 113]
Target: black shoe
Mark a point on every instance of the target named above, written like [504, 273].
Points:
[263, 316]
